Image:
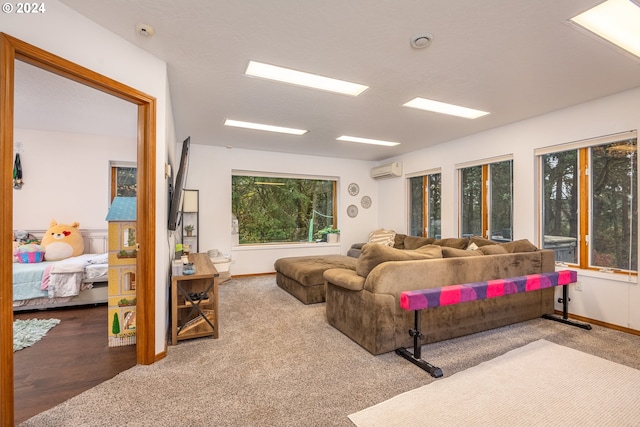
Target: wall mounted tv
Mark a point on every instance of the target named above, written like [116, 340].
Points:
[178, 190]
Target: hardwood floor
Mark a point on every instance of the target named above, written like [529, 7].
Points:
[71, 358]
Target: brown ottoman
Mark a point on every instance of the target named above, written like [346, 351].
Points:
[302, 276]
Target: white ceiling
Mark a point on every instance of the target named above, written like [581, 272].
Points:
[513, 58]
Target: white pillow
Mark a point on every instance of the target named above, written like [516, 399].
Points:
[382, 237]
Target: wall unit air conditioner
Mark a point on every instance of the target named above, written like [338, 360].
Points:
[387, 171]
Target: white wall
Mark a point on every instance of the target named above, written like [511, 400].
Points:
[66, 33]
[210, 172]
[605, 297]
[66, 177]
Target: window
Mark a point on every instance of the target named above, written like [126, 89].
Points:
[589, 204]
[424, 205]
[486, 200]
[276, 209]
[123, 179]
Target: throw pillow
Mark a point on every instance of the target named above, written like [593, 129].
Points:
[374, 254]
[382, 237]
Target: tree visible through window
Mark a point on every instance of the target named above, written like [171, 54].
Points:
[424, 205]
[590, 207]
[486, 201]
[279, 210]
[123, 180]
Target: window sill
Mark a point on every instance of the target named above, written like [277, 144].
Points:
[616, 277]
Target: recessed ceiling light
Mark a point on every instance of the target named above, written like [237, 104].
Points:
[269, 128]
[286, 75]
[441, 107]
[367, 141]
[617, 21]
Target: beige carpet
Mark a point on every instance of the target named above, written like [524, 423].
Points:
[279, 363]
[539, 384]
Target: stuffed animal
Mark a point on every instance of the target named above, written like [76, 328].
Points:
[62, 241]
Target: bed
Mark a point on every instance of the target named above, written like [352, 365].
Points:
[73, 281]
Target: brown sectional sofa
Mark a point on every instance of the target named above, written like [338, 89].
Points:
[363, 303]
[363, 294]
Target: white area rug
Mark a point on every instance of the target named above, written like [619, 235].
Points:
[28, 332]
[540, 384]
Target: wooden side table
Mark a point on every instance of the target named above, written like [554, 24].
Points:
[194, 301]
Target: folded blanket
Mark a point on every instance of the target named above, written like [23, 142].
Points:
[46, 278]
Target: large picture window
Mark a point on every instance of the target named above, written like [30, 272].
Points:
[589, 204]
[277, 209]
[424, 205]
[486, 200]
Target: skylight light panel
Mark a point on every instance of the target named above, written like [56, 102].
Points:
[617, 21]
[268, 128]
[286, 75]
[443, 108]
[367, 141]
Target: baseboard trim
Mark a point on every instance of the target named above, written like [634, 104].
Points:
[600, 323]
[238, 276]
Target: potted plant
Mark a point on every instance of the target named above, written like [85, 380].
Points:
[189, 229]
[329, 234]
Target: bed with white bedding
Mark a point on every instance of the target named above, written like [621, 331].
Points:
[74, 281]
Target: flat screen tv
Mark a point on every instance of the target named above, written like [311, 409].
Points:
[178, 190]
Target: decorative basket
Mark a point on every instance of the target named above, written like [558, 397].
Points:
[30, 257]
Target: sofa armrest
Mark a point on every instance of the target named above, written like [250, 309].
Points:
[345, 278]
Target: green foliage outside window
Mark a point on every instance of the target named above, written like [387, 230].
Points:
[496, 179]
[424, 205]
[607, 200]
[126, 181]
[281, 210]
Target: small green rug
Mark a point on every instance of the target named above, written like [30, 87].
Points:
[28, 332]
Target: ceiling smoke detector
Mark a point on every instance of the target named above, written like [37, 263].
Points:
[144, 30]
[420, 41]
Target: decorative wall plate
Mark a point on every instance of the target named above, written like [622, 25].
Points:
[365, 202]
[354, 189]
[352, 211]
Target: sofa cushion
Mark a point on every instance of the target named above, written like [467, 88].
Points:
[415, 242]
[453, 242]
[448, 252]
[522, 245]
[492, 250]
[398, 241]
[481, 241]
[373, 254]
[382, 237]
[347, 279]
[307, 270]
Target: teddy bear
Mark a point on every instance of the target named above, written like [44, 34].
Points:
[62, 241]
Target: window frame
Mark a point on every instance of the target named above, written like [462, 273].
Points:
[426, 198]
[486, 193]
[114, 165]
[585, 197]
